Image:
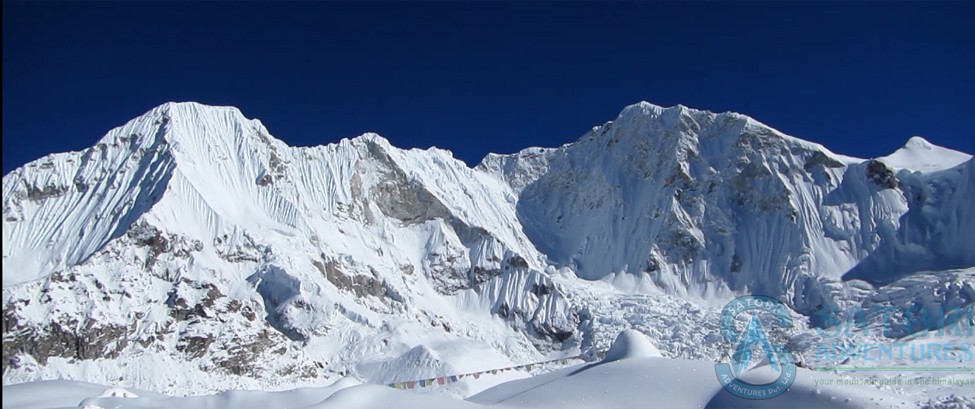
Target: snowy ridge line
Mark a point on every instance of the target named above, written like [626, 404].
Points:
[443, 380]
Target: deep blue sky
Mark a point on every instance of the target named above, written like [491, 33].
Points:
[860, 78]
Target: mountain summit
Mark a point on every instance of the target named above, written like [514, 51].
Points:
[923, 156]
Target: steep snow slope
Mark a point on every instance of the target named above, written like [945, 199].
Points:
[192, 242]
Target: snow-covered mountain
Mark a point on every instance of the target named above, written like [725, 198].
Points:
[191, 241]
[709, 205]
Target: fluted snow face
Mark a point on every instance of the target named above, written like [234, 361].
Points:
[193, 239]
[194, 224]
[60, 209]
[710, 205]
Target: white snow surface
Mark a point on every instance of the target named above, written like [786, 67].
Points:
[631, 381]
[922, 156]
[189, 252]
[631, 344]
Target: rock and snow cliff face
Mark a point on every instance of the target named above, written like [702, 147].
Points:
[191, 239]
[709, 205]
